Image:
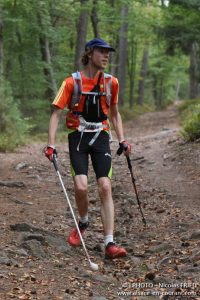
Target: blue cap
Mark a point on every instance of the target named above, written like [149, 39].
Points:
[98, 43]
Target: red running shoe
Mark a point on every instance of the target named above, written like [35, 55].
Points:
[114, 251]
[74, 238]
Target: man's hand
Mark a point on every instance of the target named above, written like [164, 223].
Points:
[50, 151]
[125, 147]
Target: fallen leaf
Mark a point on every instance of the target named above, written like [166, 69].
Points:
[44, 282]
[24, 297]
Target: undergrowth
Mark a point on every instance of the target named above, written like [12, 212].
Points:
[190, 119]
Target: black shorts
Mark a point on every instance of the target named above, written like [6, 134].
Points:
[99, 152]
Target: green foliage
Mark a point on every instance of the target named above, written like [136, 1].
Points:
[27, 71]
[165, 74]
[12, 127]
[187, 107]
[182, 26]
[190, 116]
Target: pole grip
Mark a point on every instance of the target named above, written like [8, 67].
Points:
[121, 149]
[54, 161]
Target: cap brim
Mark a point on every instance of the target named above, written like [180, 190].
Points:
[105, 47]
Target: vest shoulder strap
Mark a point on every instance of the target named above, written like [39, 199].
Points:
[106, 75]
[77, 88]
[108, 87]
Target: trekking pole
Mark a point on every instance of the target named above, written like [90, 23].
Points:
[93, 266]
[119, 152]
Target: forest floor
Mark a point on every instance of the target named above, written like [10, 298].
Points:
[163, 260]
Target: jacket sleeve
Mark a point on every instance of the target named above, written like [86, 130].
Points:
[115, 91]
[64, 94]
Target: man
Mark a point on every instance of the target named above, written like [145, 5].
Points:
[89, 95]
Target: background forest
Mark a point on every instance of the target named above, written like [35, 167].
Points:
[157, 59]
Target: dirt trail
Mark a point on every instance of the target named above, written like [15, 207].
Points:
[175, 166]
[163, 259]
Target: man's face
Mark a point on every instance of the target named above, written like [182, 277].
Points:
[100, 57]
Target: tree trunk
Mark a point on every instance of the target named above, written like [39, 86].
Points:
[160, 100]
[155, 89]
[112, 3]
[81, 33]
[177, 89]
[132, 68]
[48, 70]
[21, 64]
[95, 19]
[1, 43]
[162, 3]
[113, 65]
[143, 75]
[193, 72]
[123, 53]
[52, 89]
[158, 91]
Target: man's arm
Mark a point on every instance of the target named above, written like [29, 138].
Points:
[117, 122]
[53, 125]
[118, 127]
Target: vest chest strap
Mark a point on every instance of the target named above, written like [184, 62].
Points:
[85, 126]
[90, 126]
[94, 93]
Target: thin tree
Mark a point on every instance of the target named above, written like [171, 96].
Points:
[95, 19]
[143, 75]
[81, 33]
[46, 57]
[131, 70]
[123, 53]
[193, 71]
[1, 43]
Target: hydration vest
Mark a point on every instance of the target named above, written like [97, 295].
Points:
[90, 109]
[91, 116]
[78, 93]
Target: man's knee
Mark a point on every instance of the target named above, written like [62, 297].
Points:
[81, 185]
[104, 187]
[81, 188]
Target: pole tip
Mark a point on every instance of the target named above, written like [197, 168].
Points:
[93, 266]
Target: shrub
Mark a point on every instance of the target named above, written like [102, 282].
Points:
[12, 127]
[191, 123]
